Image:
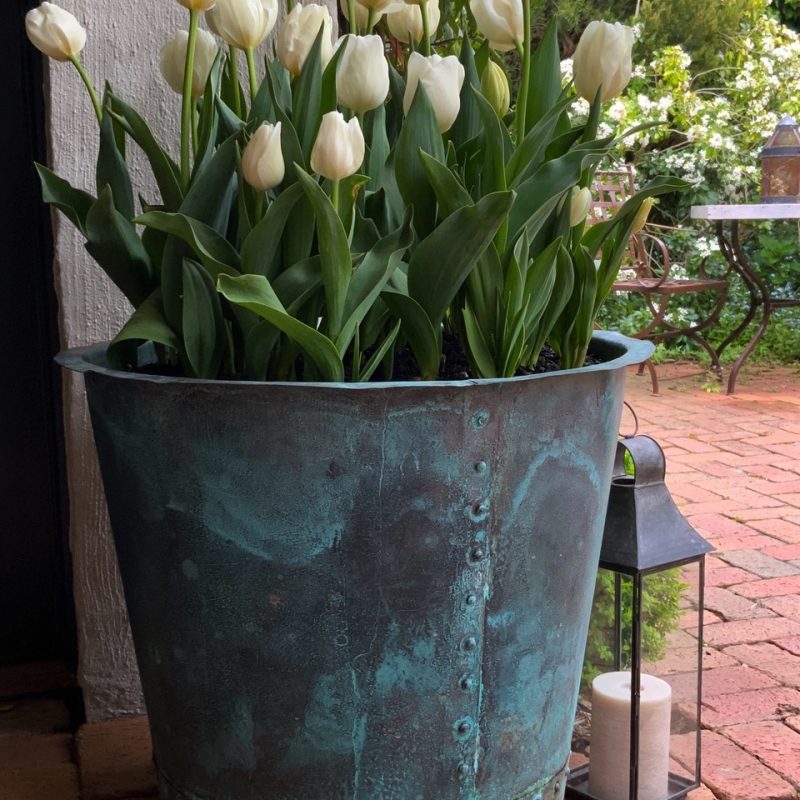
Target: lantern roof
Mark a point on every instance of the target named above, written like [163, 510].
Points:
[644, 529]
[786, 134]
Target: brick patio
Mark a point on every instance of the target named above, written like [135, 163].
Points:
[734, 467]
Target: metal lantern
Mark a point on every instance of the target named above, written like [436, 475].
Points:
[645, 725]
[780, 164]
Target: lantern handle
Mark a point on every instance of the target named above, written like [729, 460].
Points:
[648, 460]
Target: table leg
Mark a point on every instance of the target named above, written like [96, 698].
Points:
[759, 297]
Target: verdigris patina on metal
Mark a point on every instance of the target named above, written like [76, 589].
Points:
[366, 591]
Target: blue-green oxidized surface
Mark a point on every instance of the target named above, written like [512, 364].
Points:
[376, 592]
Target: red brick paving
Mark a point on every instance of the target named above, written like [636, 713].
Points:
[733, 468]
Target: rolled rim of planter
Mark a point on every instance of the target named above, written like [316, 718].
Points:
[622, 351]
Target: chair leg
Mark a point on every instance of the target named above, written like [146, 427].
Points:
[651, 368]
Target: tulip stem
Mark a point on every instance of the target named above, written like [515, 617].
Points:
[426, 29]
[335, 196]
[235, 88]
[524, 87]
[370, 21]
[98, 108]
[195, 121]
[188, 100]
[351, 16]
[251, 69]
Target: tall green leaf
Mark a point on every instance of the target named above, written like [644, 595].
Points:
[261, 249]
[254, 293]
[419, 133]
[424, 340]
[334, 250]
[307, 96]
[443, 260]
[370, 278]
[146, 324]
[545, 76]
[112, 171]
[203, 323]
[214, 251]
[112, 241]
[73, 203]
[165, 170]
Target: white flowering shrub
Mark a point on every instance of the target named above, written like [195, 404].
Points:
[714, 126]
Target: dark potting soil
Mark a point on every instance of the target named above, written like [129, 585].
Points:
[455, 364]
[456, 367]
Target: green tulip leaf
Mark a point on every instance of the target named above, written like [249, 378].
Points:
[261, 249]
[433, 279]
[146, 324]
[165, 170]
[493, 175]
[112, 242]
[419, 133]
[307, 96]
[216, 253]
[450, 192]
[112, 171]
[468, 121]
[377, 357]
[254, 293]
[210, 197]
[203, 323]
[423, 338]
[544, 88]
[334, 250]
[479, 352]
[370, 278]
[73, 203]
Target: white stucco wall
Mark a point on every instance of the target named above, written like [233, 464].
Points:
[124, 39]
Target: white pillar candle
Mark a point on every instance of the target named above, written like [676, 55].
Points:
[610, 737]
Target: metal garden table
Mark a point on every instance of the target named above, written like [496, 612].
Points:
[762, 302]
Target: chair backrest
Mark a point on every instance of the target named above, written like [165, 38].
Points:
[610, 191]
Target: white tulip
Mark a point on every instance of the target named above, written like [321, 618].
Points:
[442, 79]
[241, 23]
[298, 34]
[603, 58]
[173, 61]
[198, 5]
[262, 161]
[339, 148]
[55, 31]
[500, 21]
[405, 21]
[362, 79]
[580, 203]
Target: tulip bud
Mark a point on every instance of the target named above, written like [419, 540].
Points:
[580, 203]
[173, 61]
[198, 5]
[500, 21]
[299, 31]
[405, 21]
[442, 79]
[362, 80]
[339, 148]
[55, 32]
[640, 220]
[603, 58]
[242, 23]
[495, 88]
[262, 161]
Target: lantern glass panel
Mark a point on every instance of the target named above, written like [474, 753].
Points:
[669, 662]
